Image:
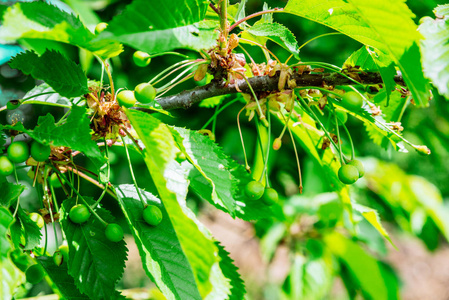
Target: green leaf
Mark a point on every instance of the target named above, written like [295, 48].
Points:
[277, 33]
[169, 270]
[231, 272]
[155, 26]
[435, 49]
[372, 216]
[63, 75]
[44, 94]
[28, 229]
[391, 31]
[171, 183]
[365, 269]
[210, 161]
[11, 276]
[95, 262]
[39, 20]
[59, 276]
[10, 193]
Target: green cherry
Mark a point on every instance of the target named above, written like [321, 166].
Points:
[34, 274]
[141, 59]
[18, 152]
[6, 166]
[152, 215]
[145, 92]
[54, 181]
[114, 232]
[126, 98]
[79, 213]
[40, 152]
[358, 164]
[348, 174]
[254, 190]
[270, 196]
[352, 100]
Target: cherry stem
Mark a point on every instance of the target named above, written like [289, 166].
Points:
[254, 15]
[263, 47]
[296, 152]
[132, 172]
[90, 179]
[350, 141]
[214, 116]
[317, 37]
[182, 63]
[262, 116]
[189, 65]
[338, 139]
[79, 195]
[241, 138]
[259, 138]
[268, 146]
[314, 116]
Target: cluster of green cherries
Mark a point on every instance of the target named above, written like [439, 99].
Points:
[18, 152]
[144, 92]
[79, 214]
[256, 190]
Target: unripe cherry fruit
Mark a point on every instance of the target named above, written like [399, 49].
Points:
[270, 196]
[54, 181]
[126, 98]
[352, 100]
[348, 174]
[79, 213]
[6, 166]
[100, 27]
[144, 92]
[58, 258]
[18, 152]
[342, 116]
[152, 215]
[114, 232]
[34, 274]
[254, 190]
[141, 59]
[40, 152]
[358, 164]
[38, 219]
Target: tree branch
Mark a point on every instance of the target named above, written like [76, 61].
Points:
[266, 83]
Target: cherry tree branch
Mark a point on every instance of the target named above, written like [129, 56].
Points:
[266, 83]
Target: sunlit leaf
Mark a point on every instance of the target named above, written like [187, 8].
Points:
[155, 26]
[29, 20]
[435, 49]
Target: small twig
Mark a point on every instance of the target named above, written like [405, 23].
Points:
[214, 8]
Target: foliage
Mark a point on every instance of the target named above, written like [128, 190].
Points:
[300, 139]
